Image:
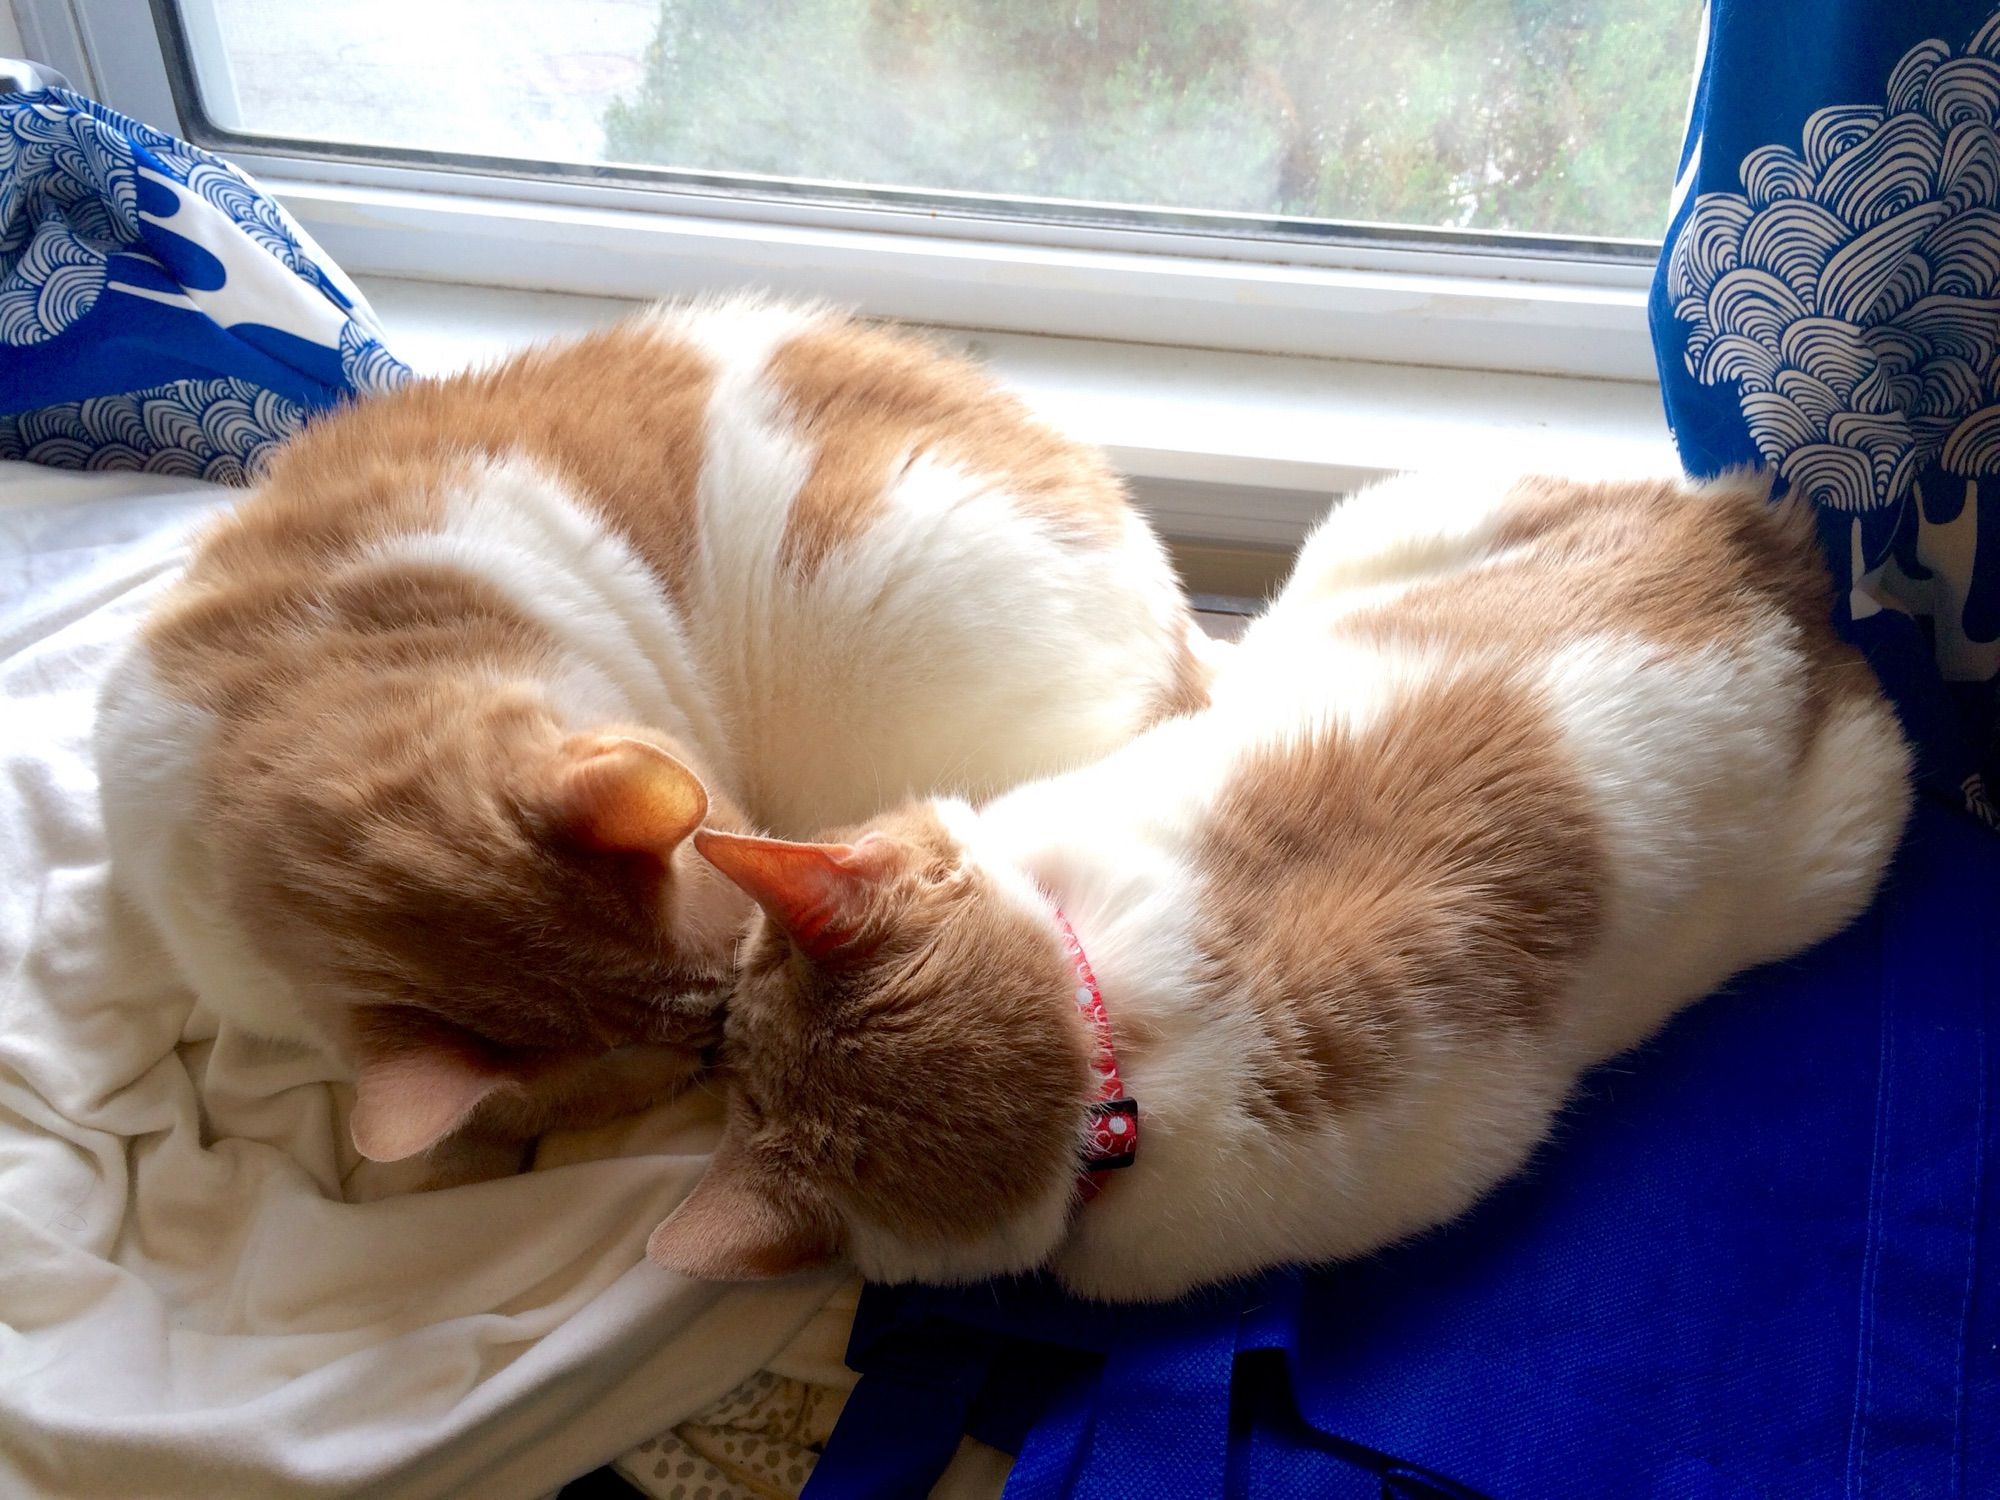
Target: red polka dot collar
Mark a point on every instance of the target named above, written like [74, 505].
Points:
[1114, 1115]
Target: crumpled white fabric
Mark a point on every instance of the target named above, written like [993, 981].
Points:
[188, 1306]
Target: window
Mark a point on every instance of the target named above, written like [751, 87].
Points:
[1554, 118]
[1470, 183]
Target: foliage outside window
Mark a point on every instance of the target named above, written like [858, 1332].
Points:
[1555, 117]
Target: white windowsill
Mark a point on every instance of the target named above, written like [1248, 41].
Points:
[1241, 450]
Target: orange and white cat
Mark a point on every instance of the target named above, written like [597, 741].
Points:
[405, 764]
[1508, 774]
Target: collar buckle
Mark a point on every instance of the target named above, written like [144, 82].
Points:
[1114, 1134]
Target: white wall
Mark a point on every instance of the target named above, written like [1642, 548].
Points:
[10, 31]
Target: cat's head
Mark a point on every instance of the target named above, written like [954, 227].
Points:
[907, 1071]
[469, 897]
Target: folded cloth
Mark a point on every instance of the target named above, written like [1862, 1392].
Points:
[188, 1306]
[158, 310]
[1761, 1258]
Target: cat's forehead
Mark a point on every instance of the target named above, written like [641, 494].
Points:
[947, 935]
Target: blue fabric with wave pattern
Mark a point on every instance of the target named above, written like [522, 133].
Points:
[1829, 304]
[158, 311]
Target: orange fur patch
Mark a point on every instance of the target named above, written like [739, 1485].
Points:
[873, 403]
[617, 415]
[1440, 871]
[405, 842]
[1685, 569]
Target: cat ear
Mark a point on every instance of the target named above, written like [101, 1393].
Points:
[408, 1099]
[738, 1225]
[818, 893]
[624, 796]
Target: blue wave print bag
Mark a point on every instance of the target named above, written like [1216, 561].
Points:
[158, 311]
[1828, 304]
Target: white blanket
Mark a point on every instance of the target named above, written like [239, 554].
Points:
[188, 1306]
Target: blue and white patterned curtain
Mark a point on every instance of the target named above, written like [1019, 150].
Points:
[1829, 304]
[158, 310]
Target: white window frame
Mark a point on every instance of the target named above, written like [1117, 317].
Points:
[1477, 309]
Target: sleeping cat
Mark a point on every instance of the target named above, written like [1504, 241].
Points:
[1507, 775]
[405, 764]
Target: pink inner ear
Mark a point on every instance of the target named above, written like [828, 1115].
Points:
[735, 1227]
[818, 893]
[407, 1101]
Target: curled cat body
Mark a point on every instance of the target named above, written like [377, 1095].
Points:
[404, 764]
[1509, 773]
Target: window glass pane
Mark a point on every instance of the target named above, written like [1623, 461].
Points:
[1558, 117]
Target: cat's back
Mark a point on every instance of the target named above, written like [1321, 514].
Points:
[1522, 567]
[824, 538]
[704, 436]
[1570, 727]
[905, 580]
[839, 563]
[1498, 784]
